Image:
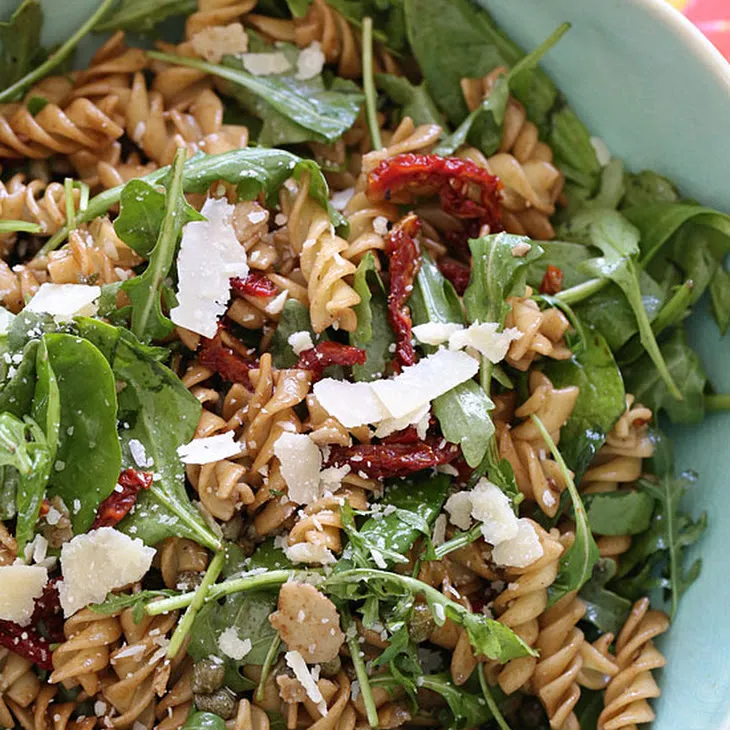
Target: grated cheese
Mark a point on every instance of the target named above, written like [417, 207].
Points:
[65, 301]
[306, 552]
[491, 506]
[210, 254]
[310, 62]
[20, 585]
[390, 425]
[216, 41]
[98, 562]
[210, 449]
[459, 508]
[300, 341]
[265, 64]
[521, 550]
[485, 339]
[352, 404]
[438, 536]
[301, 671]
[232, 645]
[301, 464]
[436, 333]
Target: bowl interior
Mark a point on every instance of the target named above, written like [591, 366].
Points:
[654, 89]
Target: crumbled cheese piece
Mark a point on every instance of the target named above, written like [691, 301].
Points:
[209, 449]
[521, 249]
[380, 225]
[352, 404]
[276, 305]
[310, 62]
[341, 198]
[520, 551]
[491, 506]
[65, 301]
[603, 154]
[139, 454]
[265, 64]
[210, 254]
[53, 516]
[390, 425]
[6, 319]
[301, 671]
[300, 341]
[216, 41]
[436, 333]
[301, 463]
[427, 379]
[99, 708]
[232, 645]
[98, 562]
[485, 339]
[449, 469]
[438, 536]
[20, 585]
[306, 552]
[459, 508]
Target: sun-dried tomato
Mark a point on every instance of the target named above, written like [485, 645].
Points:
[27, 642]
[320, 357]
[228, 364]
[48, 609]
[402, 177]
[404, 254]
[117, 505]
[254, 285]
[380, 461]
[552, 281]
[456, 272]
[45, 508]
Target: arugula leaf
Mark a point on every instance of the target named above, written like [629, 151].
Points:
[141, 213]
[577, 562]
[589, 707]
[657, 557]
[116, 602]
[463, 412]
[313, 111]
[388, 17]
[373, 333]
[204, 721]
[141, 16]
[294, 318]
[643, 380]
[468, 710]
[20, 42]
[88, 458]
[145, 291]
[619, 242]
[571, 143]
[414, 101]
[601, 400]
[647, 187]
[627, 512]
[606, 610]
[46, 408]
[720, 297]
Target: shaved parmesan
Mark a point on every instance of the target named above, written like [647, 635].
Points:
[390, 425]
[352, 404]
[210, 449]
[306, 552]
[491, 506]
[438, 536]
[421, 383]
[485, 339]
[459, 508]
[521, 550]
[300, 341]
[310, 62]
[65, 301]
[232, 645]
[216, 41]
[210, 254]
[20, 585]
[436, 333]
[301, 671]
[265, 64]
[98, 562]
[301, 463]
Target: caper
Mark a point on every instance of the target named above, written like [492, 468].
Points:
[188, 580]
[421, 624]
[208, 675]
[222, 702]
[331, 668]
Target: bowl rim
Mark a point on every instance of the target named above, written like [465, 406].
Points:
[694, 38]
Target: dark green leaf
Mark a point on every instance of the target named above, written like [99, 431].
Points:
[720, 297]
[116, 602]
[467, 710]
[600, 403]
[46, 410]
[606, 610]
[17, 394]
[141, 212]
[373, 333]
[589, 707]
[627, 512]
[647, 187]
[571, 144]
[294, 318]
[204, 721]
[141, 16]
[20, 42]
[414, 101]
[88, 458]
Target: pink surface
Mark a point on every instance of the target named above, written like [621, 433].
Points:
[712, 17]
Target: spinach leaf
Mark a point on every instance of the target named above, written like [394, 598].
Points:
[141, 212]
[388, 18]
[647, 187]
[643, 380]
[8, 491]
[373, 333]
[619, 242]
[141, 16]
[576, 563]
[720, 298]
[20, 42]
[145, 291]
[589, 707]
[204, 721]
[312, 110]
[463, 412]
[606, 610]
[46, 410]
[627, 512]
[414, 101]
[600, 403]
[294, 318]
[16, 396]
[88, 458]
[571, 144]
[467, 710]
[657, 556]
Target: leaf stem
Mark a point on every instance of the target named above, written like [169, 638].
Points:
[269, 660]
[10, 93]
[361, 671]
[491, 704]
[12, 226]
[368, 82]
[459, 541]
[582, 291]
[186, 623]
[718, 402]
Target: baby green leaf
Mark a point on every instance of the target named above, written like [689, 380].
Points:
[294, 318]
[468, 710]
[141, 16]
[141, 212]
[646, 188]
[627, 512]
[204, 721]
[571, 143]
[605, 609]
[20, 42]
[116, 602]
[720, 297]
[414, 101]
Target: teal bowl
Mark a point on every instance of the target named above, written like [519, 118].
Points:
[647, 82]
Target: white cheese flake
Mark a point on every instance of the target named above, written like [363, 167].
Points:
[341, 198]
[438, 536]
[390, 425]
[139, 454]
[210, 254]
[301, 671]
[459, 508]
[209, 449]
[352, 404]
[20, 585]
[436, 333]
[65, 301]
[309, 553]
[301, 463]
[216, 41]
[380, 225]
[491, 506]
[485, 339]
[310, 62]
[98, 562]
[300, 341]
[232, 645]
[603, 154]
[265, 64]
[520, 551]
[276, 305]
